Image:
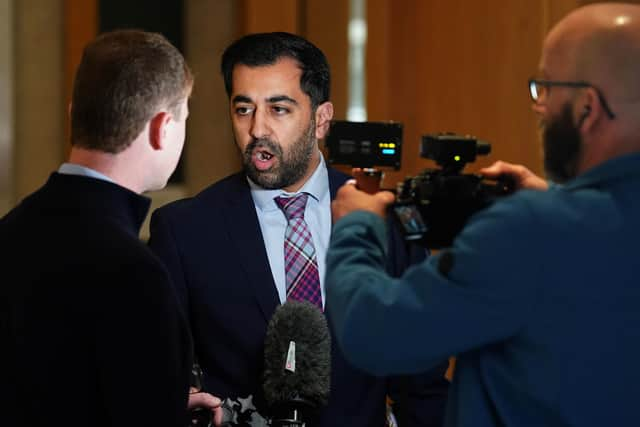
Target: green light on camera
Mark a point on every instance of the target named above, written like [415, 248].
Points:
[456, 158]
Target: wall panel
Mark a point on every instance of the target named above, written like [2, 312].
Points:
[6, 106]
[256, 16]
[210, 152]
[459, 66]
[39, 107]
[325, 25]
[81, 26]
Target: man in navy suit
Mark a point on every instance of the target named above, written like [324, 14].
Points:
[224, 247]
[540, 290]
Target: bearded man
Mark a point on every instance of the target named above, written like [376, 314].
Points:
[539, 291]
[230, 249]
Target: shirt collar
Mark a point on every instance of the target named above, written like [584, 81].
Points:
[73, 169]
[317, 186]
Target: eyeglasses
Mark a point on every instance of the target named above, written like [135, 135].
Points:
[538, 89]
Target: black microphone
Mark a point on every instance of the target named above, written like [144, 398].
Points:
[297, 364]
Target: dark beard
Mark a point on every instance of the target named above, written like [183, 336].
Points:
[562, 145]
[290, 168]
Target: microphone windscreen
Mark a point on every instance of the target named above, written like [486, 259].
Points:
[297, 355]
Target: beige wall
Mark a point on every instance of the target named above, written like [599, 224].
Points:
[210, 150]
[30, 143]
[38, 98]
[6, 104]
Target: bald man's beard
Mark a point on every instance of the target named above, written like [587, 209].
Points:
[562, 144]
[291, 166]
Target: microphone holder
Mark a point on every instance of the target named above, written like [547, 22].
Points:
[294, 413]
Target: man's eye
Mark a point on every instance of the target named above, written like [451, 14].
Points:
[243, 111]
[280, 110]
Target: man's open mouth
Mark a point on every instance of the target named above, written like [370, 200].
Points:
[263, 155]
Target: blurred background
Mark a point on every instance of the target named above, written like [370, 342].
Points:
[434, 65]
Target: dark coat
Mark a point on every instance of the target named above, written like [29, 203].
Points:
[90, 332]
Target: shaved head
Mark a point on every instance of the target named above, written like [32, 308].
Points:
[600, 43]
[596, 46]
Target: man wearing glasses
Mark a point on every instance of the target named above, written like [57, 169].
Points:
[540, 291]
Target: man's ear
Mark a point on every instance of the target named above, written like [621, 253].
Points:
[324, 114]
[158, 129]
[590, 110]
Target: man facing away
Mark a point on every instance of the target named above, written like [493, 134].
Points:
[225, 248]
[90, 330]
[540, 291]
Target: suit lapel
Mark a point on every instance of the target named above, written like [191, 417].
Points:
[242, 225]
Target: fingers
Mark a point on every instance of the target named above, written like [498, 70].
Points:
[498, 168]
[217, 416]
[349, 188]
[350, 199]
[385, 197]
[517, 172]
[208, 401]
[521, 176]
[203, 400]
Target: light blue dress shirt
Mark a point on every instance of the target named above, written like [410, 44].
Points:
[273, 224]
[73, 169]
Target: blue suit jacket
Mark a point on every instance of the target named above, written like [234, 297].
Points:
[214, 250]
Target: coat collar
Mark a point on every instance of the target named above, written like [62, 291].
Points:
[102, 198]
[623, 167]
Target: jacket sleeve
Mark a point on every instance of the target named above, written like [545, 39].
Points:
[463, 298]
[419, 399]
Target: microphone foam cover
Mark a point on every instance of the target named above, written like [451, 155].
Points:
[304, 324]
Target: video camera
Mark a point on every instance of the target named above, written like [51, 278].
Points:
[433, 206]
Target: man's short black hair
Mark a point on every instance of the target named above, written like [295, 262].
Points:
[261, 49]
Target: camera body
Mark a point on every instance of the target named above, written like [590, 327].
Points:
[432, 207]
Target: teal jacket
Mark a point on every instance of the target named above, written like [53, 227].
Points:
[539, 299]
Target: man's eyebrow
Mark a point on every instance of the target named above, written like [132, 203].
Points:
[282, 98]
[241, 98]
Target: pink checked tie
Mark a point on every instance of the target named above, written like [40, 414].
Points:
[301, 267]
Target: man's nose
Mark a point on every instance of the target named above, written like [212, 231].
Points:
[260, 125]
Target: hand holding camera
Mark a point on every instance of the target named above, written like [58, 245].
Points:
[350, 198]
[431, 207]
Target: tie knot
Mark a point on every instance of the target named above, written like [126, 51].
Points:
[293, 207]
